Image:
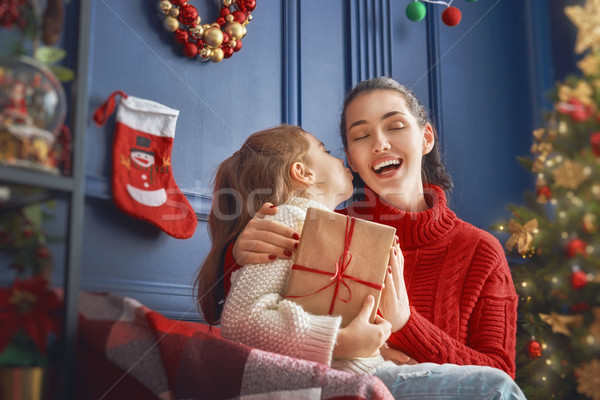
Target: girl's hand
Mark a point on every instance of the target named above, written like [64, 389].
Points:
[396, 356]
[262, 241]
[362, 338]
[394, 299]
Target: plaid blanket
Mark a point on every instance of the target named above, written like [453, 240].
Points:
[127, 351]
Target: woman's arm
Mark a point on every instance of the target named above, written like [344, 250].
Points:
[488, 307]
[264, 240]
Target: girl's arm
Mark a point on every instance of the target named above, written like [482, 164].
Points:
[256, 314]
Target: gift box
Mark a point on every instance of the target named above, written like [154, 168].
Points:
[339, 262]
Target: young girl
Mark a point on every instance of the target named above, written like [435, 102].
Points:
[291, 168]
[256, 314]
[462, 302]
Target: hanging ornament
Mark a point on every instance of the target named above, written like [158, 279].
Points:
[415, 11]
[210, 42]
[522, 236]
[575, 109]
[534, 348]
[595, 143]
[582, 92]
[578, 278]
[588, 379]
[569, 175]
[544, 148]
[544, 193]
[451, 16]
[560, 323]
[589, 223]
[590, 65]
[575, 247]
[587, 20]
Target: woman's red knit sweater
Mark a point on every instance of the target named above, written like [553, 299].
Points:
[462, 298]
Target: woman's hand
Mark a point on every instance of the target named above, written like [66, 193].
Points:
[396, 356]
[262, 241]
[394, 299]
[360, 338]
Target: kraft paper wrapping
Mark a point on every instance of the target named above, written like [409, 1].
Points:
[321, 248]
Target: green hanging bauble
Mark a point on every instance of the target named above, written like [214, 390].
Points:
[415, 11]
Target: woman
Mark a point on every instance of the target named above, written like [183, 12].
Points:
[461, 306]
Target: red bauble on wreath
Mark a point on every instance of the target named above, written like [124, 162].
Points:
[210, 42]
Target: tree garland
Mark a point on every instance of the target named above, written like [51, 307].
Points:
[209, 42]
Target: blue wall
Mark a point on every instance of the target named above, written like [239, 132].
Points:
[481, 79]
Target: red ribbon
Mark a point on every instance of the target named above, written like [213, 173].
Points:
[339, 275]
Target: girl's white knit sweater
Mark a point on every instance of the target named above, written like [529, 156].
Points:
[257, 315]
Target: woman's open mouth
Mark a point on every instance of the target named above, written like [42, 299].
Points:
[387, 167]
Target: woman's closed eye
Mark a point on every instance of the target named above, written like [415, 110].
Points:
[396, 126]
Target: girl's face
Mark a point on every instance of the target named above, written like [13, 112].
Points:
[332, 180]
[386, 145]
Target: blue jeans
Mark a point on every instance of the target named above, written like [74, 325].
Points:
[449, 381]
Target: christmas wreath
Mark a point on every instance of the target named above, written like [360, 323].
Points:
[209, 42]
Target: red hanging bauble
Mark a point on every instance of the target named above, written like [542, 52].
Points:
[451, 16]
[576, 247]
[179, 3]
[579, 307]
[595, 142]
[544, 193]
[578, 279]
[534, 348]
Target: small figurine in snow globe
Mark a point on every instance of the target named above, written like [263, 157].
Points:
[32, 112]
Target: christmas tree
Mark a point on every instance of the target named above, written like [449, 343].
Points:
[554, 243]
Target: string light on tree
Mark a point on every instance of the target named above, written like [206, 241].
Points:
[451, 16]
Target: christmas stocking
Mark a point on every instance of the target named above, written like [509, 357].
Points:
[142, 180]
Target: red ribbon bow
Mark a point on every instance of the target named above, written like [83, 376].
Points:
[338, 277]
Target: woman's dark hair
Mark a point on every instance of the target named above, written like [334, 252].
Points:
[433, 171]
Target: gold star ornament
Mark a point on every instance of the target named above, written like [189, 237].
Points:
[570, 174]
[590, 65]
[560, 323]
[587, 20]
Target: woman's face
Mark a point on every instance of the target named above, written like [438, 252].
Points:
[332, 180]
[386, 145]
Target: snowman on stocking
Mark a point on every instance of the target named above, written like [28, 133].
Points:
[142, 180]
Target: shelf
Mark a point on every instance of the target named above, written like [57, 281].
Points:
[23, 176]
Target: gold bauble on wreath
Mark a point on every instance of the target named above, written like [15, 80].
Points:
[208, 42]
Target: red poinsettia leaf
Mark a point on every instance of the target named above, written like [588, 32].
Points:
[38, 327]
[10, 326]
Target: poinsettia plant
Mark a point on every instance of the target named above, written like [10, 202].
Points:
[29, 307]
